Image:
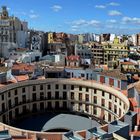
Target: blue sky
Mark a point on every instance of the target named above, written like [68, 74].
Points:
[78, 16]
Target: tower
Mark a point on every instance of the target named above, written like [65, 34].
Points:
[4, 13]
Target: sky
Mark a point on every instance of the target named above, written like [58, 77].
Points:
[78, 16]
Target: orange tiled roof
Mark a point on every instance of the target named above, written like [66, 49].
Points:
[135, 133]
[133, 102]
[73, 57]
[23, 66]
[22, 78]
[135, 77]
[114, 73]
[128, 63]
[2, 85]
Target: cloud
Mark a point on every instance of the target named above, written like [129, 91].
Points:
[82, 22]
[114, 4]
[112, 21]
[100, 6]
[79, 22]
[75, 26]
[94, 23]
[8, 8]
[24, 13]
[114, 13]
[56, 8]
[32, 11]
[129, 20]
[33, 16]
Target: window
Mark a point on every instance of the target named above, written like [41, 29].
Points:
[49, 95]
[111, 81]
[109, 117]
[65, 105]
[80, 107]
[49, 86]
[87, 108]
[41, 106]
[10, 115]
[115, 99]
[16, 100]
[9, 104]
[34, 88]
[82, 75]
[34, 97]
[57, 105]
[41, 87]
[95, 111]
[3, 107]
[80, 88]
[57, 86]
[72, 87]
[87, 89]
[23, 90]
[34, 108]
[16, 92]
[118, 84]
[16, 112]
[2, 97]
[120, 102]
[56, 95]
[80, 96]
[110, 96]
[120, 112]
[64, 87]
[115, 109]
[24, 109]
[23, 98]
[87, 97]
[41, 95]
[95, 100]
[103, 102]
[49, 105]
[72, 95]
[103, 93]
[64, 95]
[110, 106]
[95, 91]
[102, 79]
[9, 95]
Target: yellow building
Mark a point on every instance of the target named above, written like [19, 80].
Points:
[50, 37]
[114, 51]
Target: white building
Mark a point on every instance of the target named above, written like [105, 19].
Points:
[97, 37]
[112, 36]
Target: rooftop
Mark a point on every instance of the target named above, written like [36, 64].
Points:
[115, 74]
[128, 63]
[73, 57]
[23, 67]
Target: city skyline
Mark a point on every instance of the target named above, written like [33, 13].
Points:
[96, 16]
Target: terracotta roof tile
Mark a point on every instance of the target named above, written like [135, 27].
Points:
[114, 73]
[128, 63]
[22, 78]
[133, 102]
[73, 57]
[22, 66]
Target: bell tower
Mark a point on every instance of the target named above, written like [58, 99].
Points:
[4, 13]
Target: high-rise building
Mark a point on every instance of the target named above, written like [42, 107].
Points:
[11, 28]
